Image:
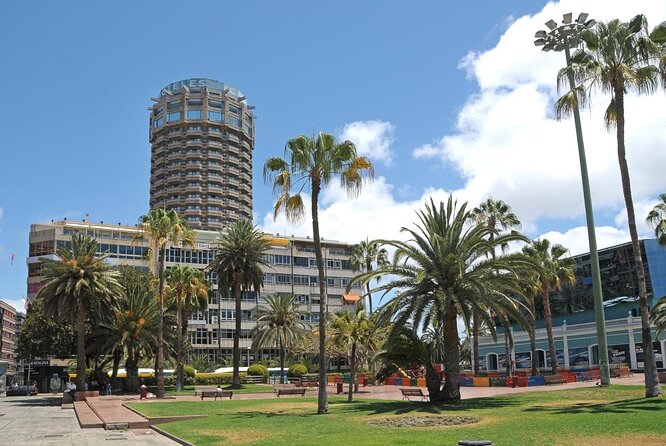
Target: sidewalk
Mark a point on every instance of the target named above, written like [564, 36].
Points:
[39, 420]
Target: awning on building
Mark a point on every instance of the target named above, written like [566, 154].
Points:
[351, 298]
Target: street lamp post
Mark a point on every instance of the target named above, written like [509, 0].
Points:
[560, 38]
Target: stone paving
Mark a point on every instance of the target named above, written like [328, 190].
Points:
[39, 420]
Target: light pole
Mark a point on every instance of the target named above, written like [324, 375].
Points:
[560, 38]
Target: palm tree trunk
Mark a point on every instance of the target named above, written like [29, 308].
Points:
[451, 390]
[281, 349]
[80, 349]
[235, 380]
[533, 336]
[132, 371]
[507, 344]
[159, 373]
[322, 400]
[652, 388]
[433, 383]
[549, 328]
[117, 356]
[475, 340]
[368, 268]
[179, 344]
[352, 373]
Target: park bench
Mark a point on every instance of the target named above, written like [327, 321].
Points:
[254, 379]
[309, 381]
[289, 390]
[210, 393]
[409, 392]
[554, 379]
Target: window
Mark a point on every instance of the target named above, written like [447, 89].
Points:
[158, 123]
[173, 117]
[194, 102]
[301, 280]
[194, 114]
[214, 129]
[174, 105]
[215, 116]
[158, 111]
[215, 104]
[302, 298]
[283, 279]
[301, 261]
[331, 263]
[236, 122]
[234, 110]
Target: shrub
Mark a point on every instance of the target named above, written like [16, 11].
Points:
[209, 379]
[188, 378]
[258, 370]
[297, 370]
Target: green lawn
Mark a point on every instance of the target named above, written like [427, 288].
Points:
[244, 388]
[590, 416]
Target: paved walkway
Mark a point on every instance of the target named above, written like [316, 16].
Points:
[39, 420]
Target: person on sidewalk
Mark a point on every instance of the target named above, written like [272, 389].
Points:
[143, 392]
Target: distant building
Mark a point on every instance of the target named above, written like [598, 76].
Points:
[574, 326]
[8, 335]
[292, 270]
[202, 138]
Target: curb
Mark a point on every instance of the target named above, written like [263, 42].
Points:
[171, 436]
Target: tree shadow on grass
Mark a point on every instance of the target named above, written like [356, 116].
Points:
[402, 407]
[620, 407]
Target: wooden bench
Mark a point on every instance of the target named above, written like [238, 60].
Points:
[554, 379]
[289, 390]
[216, 393]
[409, 392]
[254, 379]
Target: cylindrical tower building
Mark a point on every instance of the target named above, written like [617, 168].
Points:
[202, 137]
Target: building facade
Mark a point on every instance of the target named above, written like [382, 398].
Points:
[292, 269]
[574, 326]
[8, 333]
[202, 138]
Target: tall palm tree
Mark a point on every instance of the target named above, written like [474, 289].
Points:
[366, 256]
[187, 286]
[657, 218]
[313, 163]
[551, 271]
[495, 214]
[278, 325]
[162, 227]
[619, 57]
[80, 284]
[446, 271]
[239, 256]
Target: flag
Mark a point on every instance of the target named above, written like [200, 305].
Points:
[11, 259]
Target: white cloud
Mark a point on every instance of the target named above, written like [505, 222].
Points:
[507, 144]
[372, 138]
[18, 304]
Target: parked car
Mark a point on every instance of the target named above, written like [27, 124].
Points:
[21, 391]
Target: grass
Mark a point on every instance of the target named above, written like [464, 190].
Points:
[244, 388]
[614, 416]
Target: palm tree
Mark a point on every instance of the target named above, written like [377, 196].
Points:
[240, 254]
[495, 214]
[551, 271]
[446, 271]
[188, 288]
[351, 330]
[659, 316]
[314, 163]
[278, 325]
[657, 218]
[80, 284]
[365, 256]
[162, 227]
[619, 57]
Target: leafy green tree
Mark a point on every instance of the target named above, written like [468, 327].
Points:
[366, 256]
[42, 335]
[79, 285]
[495, 214]
[551, 271]
[446, 271]
[160, 227]
[278, 325]
[620, 57]
[240, 254]
[188, 288]
[313, 163]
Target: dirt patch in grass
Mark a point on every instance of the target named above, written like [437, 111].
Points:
[424, 421]
[239, 437]
[652, 440]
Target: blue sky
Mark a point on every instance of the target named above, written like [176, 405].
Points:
[445, 98]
